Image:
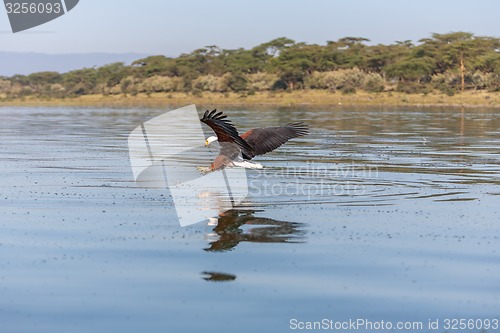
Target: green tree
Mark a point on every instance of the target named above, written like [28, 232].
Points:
[295, 63]
[81, 81]
[110, 75]
[246, 61]
[489, 62]
[42, 78]
[154, 65]
[379, 57]
[276, 46]
[458, 51]
[347, 52]
[411, 69]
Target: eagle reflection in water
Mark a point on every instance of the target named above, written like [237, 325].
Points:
[235, 226]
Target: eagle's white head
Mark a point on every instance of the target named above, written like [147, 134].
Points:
[210, 139]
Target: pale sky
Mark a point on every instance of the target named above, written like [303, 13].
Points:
[177, 26]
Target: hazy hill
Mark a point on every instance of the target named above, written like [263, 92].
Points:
[12, 63]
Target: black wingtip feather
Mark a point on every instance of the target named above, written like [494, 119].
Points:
[299, 128]
[216, 120]
[214, 115]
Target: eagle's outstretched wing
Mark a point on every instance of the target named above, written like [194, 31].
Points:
[264, 140]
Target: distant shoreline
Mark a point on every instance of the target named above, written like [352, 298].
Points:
[298, 98]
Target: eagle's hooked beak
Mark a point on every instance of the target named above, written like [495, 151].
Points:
[206, 143]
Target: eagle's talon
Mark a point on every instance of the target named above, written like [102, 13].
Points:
[204, 170]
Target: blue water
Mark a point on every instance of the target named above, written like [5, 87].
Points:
[378, 214]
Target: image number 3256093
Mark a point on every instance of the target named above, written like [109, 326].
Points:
[26, 14]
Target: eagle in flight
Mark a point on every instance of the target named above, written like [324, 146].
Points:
[257, 141]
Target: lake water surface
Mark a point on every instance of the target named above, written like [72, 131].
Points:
[378, 214]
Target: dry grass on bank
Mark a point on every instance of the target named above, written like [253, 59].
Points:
[295, 98]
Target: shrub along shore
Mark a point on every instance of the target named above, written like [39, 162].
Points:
[456, 68]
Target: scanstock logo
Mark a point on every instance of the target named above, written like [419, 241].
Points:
[26, 14]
